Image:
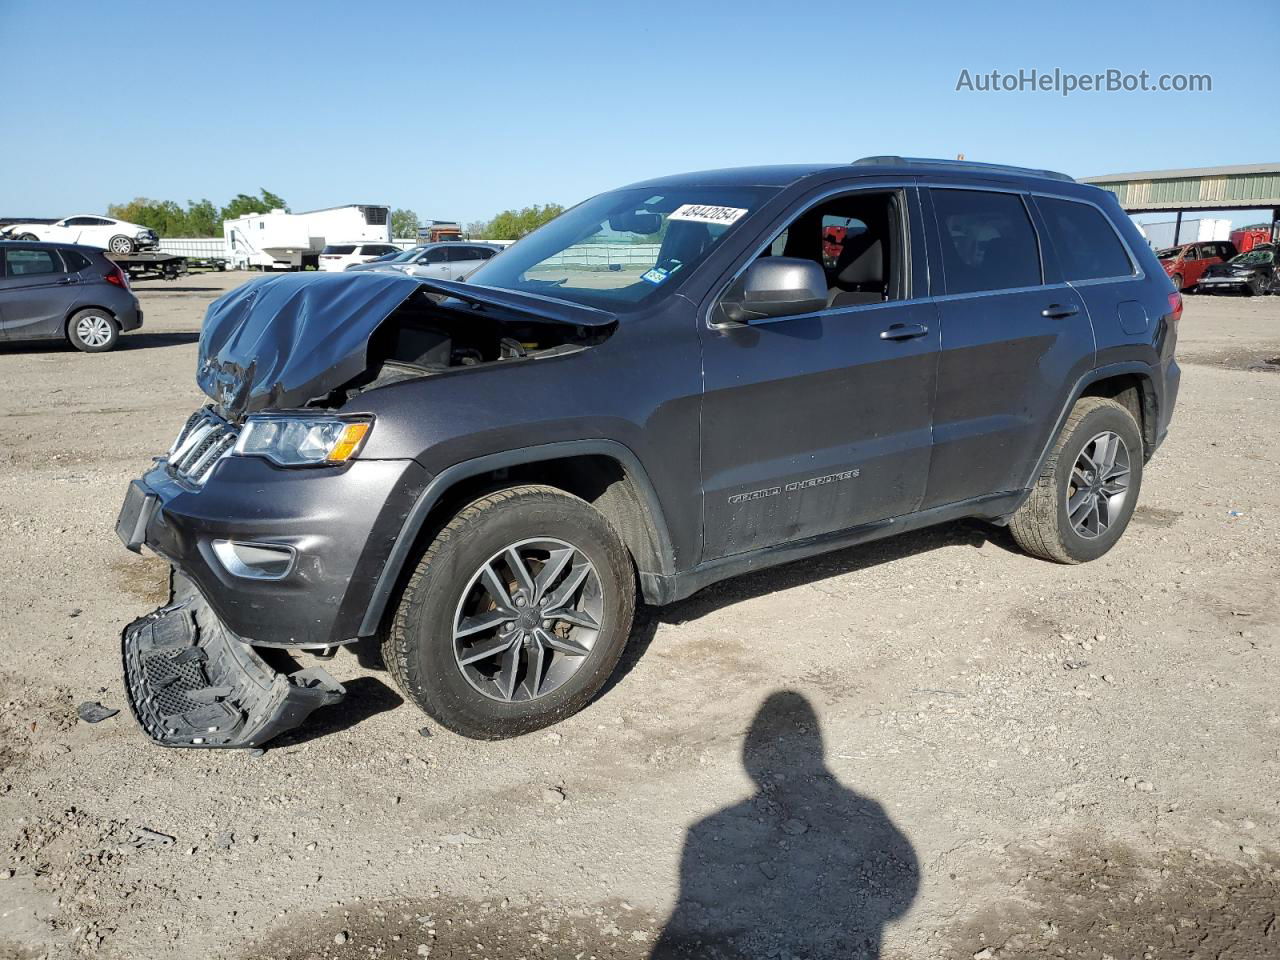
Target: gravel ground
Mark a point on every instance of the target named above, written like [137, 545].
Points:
[929, 747]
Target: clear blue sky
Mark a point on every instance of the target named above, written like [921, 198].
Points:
[458, 110]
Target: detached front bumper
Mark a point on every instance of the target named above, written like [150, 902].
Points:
[334, 525]
[192, 683]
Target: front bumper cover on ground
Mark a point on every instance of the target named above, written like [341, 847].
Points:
[191, 682]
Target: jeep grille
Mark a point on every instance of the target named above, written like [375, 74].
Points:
[204, 440]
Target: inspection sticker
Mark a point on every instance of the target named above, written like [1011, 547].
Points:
[656, 275]
[703, 213]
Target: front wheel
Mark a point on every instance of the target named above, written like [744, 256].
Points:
[93, 331]
[1086, 493]
[516, 615]
[121, 245]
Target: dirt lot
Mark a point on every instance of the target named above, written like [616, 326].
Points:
[931, 747]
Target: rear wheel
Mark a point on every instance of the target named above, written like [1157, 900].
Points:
[121, 245]
[516, 615]
[1088, 488]
[93, 330]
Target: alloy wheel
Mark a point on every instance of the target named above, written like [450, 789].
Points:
[527, 620]
[93, 330]
[121, 245]
[1099, 485]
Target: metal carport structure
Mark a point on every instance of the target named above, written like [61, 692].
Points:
[1251, 186]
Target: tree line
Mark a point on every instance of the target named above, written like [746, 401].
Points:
[202, 218]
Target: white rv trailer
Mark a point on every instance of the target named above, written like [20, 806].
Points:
[291, 241]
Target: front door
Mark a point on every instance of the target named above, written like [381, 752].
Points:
[816, 423]
[34, 299]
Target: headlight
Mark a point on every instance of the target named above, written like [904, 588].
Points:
[302, 441]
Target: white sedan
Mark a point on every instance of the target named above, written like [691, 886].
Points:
[118, 236]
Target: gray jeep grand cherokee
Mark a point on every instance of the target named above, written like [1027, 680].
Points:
[673, 383]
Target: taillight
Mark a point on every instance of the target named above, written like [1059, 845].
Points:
[117, 276]
[1175, 307]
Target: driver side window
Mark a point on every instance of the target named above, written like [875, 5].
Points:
[857, 239]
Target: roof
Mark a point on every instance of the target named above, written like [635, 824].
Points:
[783, 175]
[1239, 169]
[52, 245]
[1247, 186]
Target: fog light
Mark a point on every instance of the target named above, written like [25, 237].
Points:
[254, 561]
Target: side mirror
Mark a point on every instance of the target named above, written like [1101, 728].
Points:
[775, 287]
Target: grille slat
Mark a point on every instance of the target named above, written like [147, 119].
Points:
[204, 440]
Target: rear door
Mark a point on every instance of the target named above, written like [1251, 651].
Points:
[1014, 343]
[36, 293]
[462, 260]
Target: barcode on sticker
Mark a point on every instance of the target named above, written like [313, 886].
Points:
[703, 213]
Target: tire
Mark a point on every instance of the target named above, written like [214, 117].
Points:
[1253, 289]
[448, 593]
[93, 330]
[1177, 282]
[1042, 526]
[29, 237]
[121, 245]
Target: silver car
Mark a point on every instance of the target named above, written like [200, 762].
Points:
[447, 260]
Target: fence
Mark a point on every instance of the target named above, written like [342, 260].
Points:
[603, 256]
[198, 247]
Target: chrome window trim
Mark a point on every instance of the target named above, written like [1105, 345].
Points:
[1137, 272]
[878, 187]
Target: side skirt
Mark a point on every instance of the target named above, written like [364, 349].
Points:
[668, 588]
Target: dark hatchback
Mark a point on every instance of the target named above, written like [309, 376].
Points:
[59, 291]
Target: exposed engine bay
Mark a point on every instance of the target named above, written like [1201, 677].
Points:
[425, 338]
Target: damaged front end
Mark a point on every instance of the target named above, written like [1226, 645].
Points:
[191, 682]
[275, 527]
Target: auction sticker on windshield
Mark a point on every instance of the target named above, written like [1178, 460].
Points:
[703, 213]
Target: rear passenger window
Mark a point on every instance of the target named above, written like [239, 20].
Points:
[1087, 246]
[26, 262]
[987, 241]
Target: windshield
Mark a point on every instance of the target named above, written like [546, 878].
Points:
[405, 256]
[1254, 257]
[622, 249]
[1169, 253]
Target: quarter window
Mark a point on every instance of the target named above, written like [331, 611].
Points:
[987, 241]
[1087, 246]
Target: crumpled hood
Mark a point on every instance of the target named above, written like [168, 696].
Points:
[282, 341]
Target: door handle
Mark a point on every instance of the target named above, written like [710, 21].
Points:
[904, 331]
[1056, 311]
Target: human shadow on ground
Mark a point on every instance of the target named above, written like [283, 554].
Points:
[804, 867]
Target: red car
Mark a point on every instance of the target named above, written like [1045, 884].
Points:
[1187, 263]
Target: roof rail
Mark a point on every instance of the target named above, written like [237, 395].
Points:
[893, 161]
